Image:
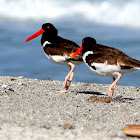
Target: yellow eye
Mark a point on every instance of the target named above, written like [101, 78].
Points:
[48, 27]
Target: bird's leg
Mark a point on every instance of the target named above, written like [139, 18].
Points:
[113, 81]
[113, 85]
[68, 78]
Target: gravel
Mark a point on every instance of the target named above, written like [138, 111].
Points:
[31, 109]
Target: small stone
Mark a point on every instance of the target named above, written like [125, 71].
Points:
[73, 85]
[11, 89]
[68, 126]
[20, 84]
[20, 77]
[12, 79]
[4, 86]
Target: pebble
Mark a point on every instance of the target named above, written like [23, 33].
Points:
[4, 86]
[21, 77]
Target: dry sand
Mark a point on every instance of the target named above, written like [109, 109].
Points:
[31, 109]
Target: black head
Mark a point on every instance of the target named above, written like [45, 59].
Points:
[50, 33]
[49, 28]
[88, 44]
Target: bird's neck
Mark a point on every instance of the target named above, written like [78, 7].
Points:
[85, 54]
[48, 39]
[45, 43]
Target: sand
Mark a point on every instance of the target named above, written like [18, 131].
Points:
[31, 109]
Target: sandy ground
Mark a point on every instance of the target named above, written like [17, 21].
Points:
[31, 109]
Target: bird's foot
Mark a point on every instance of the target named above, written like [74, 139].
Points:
[111, 91]
[62, 91]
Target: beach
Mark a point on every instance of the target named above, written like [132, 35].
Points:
[118, 27]
[32, 109]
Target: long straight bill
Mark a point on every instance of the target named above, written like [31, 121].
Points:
[77, 52]
[35, 35]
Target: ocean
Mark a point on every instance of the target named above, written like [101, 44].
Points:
[110, 22]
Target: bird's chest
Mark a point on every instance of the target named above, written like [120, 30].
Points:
[54, 54]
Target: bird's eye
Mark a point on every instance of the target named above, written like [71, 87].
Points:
[83, 41]
[48, 27]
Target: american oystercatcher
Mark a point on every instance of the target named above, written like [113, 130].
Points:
[58, 50]
[106, 61]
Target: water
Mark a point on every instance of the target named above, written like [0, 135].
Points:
[110, 22]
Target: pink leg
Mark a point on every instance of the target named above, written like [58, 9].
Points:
[113, 85]
[68, 78]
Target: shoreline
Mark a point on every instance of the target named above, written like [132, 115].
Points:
[32, 109]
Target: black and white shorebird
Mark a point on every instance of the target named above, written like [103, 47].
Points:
[106, 61]
[58, 50]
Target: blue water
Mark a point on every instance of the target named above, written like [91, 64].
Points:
[117, 27]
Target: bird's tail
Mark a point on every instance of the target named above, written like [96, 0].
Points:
[134, 63]
[137, 68]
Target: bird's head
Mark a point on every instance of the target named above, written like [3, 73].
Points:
[88, 44]
[48, 31]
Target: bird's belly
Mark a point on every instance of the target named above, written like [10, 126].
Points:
[103, 69]
[61, 60]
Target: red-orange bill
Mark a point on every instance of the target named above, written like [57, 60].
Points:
[77, 52]
[35, 35]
